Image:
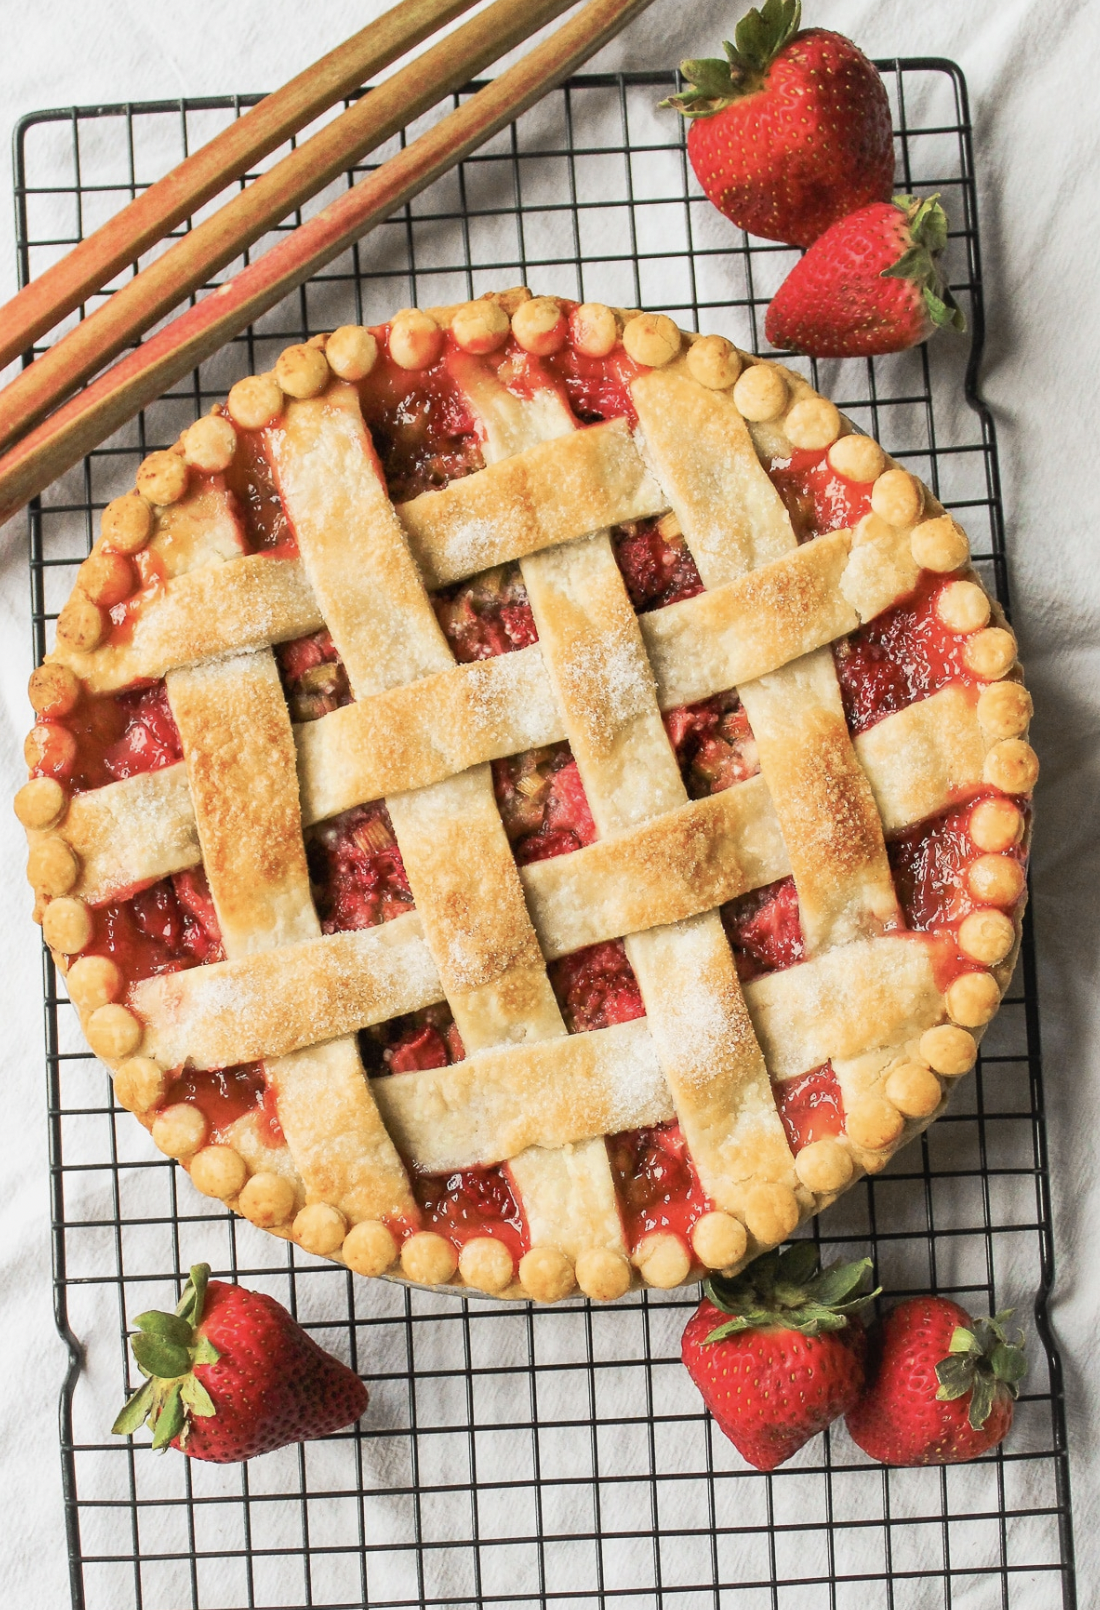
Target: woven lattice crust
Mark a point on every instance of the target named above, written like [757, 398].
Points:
[893, 1013]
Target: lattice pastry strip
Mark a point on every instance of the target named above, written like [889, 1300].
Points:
[224, 554]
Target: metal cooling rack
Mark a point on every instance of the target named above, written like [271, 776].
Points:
[559, 1457]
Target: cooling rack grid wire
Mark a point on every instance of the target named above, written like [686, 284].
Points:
[557, 1457]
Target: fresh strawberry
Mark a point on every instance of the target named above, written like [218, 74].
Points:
[789, 1360]
[941, 1386]
[231, 1375]
[792, 131]
[871, 284]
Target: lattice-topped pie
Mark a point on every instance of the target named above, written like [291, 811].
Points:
[528, 799]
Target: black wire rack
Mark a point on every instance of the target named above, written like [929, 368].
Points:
[553, 1457]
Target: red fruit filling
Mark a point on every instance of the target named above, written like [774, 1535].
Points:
[597, 388]
[356, 871]
[165, 928]
[816, 497]
[542, 803]
[314, 679]
[657, 1183]
[487, 616]
[428, 1038]
[111, 736]
[223, 1095]
[251, 479]
[473, 1202]
[596, 987]
[714, 744]
[929, 865]
[902, 656]
[423, 431]
[810, 1106]
[764, 929]
[656, 563]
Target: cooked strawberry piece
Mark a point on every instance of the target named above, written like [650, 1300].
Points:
[597, 388]
[656, 1180]
[764, 929]
[356, 870]
[424, 1047]
[116, 735]
[542, 803]
[165, 928]
[472, 1202]
[596, 987]
[428, 1038]
[810, 1106]
[657, 566]
[714, 744]
[903, 655]
[816, 497]
[487, 616]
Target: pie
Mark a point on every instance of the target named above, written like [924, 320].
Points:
[528, 799]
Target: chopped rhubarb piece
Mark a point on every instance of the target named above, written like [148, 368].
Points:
[657, 1183]
[423, 1047]
[764, 929]
[810, 1106]
[714, 744]
[314, 677]
[596, 987]
[356, 870]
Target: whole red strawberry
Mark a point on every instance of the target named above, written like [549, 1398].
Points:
[231, 1375]
[777, 1351]
[870, 284]
[941, 1386]
[792, 130]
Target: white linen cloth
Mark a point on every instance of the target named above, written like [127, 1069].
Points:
[1032, 72]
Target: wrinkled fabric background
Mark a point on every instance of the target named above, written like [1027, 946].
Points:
[1032, 72]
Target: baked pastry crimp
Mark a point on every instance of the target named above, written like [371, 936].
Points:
[527, 799]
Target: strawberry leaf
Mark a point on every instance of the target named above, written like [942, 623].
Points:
[956, 1377]
[788, 1291]
[169, 1327]
[171, 1419]
[712, 84]
[204, 1352]
[761, 35]
[196, 1397]
[981, 1401]
[194, 1294]
[133, 1414]
[1009, 1366]
[160, 1357]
